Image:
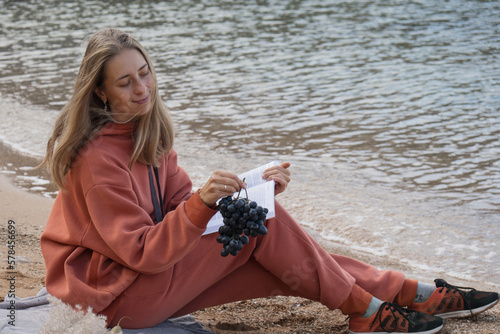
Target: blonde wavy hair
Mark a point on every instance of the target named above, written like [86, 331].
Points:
[84, 116]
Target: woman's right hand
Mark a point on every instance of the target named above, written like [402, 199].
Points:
[219, 185]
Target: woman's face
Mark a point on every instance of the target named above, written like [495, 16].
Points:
[127, 85]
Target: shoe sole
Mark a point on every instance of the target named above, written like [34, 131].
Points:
[430, 331]
[466, 313]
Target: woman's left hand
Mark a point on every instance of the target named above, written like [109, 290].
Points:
[280, 175]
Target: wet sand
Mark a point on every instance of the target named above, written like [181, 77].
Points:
[270, 315]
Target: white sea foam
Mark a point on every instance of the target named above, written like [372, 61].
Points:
[24, 127]
[34, 180]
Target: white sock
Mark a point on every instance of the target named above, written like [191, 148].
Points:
[372, 308]
[424, 291]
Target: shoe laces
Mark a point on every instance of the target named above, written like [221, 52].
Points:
[393, 308]
[442, 284]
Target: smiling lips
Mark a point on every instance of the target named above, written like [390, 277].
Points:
[143, 100]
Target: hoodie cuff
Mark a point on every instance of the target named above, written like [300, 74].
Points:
[198, 212]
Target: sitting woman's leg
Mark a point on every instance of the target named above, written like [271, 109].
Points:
[287, 261]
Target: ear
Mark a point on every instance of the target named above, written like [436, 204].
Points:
[101, 94]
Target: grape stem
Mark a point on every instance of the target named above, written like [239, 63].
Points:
[239, 192]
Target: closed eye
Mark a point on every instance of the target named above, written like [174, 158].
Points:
[126, 83]
[143, 71]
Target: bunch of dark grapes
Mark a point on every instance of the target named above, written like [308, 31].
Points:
[242, 218]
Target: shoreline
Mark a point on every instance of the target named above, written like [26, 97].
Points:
[21, 170]
[27, 205]
[29, 209]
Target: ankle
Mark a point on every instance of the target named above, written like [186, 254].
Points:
[424, 291]
[372, 308]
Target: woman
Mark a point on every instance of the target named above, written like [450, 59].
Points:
[125, 233]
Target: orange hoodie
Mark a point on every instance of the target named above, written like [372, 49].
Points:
[102, 234]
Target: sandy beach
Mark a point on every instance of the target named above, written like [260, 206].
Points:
[29, 212]
[271, 315]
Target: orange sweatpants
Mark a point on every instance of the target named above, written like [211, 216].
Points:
[287, 261]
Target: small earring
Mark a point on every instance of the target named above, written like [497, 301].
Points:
[106, 106]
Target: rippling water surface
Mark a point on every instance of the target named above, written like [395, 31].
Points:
[388, 110]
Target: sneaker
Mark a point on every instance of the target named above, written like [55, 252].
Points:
[391, 318]
[449, 301]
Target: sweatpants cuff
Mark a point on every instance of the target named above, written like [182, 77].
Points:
[357, 303]
[407, 294]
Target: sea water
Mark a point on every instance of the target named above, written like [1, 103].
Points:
[387, 110]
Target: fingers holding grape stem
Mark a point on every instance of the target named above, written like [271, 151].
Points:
[220, 184]
[242, 219]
